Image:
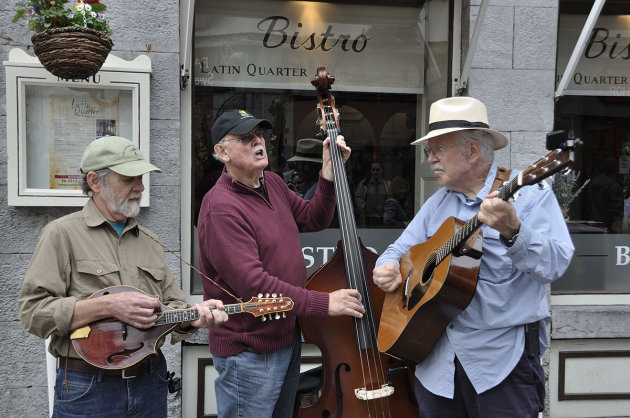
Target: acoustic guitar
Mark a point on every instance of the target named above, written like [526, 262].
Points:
[440, 275]
[111, 344]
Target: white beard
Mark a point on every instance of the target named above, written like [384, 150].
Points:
[122, 205]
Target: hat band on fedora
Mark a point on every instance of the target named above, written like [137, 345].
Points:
[308, 154]
[456, 124]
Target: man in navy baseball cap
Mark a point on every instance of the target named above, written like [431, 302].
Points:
[236, 122]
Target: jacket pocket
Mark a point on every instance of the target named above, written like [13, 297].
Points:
[96, 267]
[156, 274]
[91, 273]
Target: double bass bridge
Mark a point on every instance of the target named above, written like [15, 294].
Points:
[367, 395]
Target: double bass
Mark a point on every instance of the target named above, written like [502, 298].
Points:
[357, 380]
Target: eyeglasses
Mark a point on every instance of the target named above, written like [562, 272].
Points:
[436, 150]
[248, 137]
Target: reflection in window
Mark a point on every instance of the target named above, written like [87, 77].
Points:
[599, 215]
[378, 128]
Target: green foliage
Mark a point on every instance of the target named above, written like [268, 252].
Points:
[566, 189]
[49, 14]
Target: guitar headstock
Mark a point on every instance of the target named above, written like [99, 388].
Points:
[546, 166]
[271, 305]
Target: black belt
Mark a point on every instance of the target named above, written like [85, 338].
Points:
[77, 365]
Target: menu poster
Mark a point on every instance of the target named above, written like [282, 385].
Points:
[76, 121]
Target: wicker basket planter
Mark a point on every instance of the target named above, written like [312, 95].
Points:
[72, 52]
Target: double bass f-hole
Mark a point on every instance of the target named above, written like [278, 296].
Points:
[356, 379]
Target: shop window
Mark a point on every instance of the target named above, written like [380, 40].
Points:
[384, 60]
[596, 109]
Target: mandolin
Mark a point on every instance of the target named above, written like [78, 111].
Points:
[111, 344]
[440, 275]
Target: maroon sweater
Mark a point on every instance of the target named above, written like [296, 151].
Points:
[249, 246]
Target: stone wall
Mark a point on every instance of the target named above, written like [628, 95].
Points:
[140, 27]
[513, 73]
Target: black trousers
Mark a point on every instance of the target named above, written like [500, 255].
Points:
[520, 395]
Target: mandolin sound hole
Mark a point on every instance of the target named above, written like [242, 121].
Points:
[113, 358]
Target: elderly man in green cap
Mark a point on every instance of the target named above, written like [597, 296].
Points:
[99, 247]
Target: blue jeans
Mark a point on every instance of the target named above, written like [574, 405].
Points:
[258, 385]
[101, 396]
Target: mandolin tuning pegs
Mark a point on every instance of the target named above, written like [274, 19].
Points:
[266, 295]
[263, 318]
[274, 295]
[260, 295]
[284, 315]
[277, 316]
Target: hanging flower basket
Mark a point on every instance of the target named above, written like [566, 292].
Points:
[72, 52]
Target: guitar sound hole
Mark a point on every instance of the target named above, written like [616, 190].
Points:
[427, 273]
[420, 289]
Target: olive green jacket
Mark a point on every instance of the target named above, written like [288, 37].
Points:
[80, 254]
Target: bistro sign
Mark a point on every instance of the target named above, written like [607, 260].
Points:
[372, 49]
[604, 67]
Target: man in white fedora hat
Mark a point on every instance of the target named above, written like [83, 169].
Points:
[98, 247]
[487, 361]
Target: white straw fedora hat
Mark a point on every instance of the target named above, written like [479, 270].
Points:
[458, 114]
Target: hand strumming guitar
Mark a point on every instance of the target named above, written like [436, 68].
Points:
[387, 277]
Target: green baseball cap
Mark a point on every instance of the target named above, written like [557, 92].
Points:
[118, 154]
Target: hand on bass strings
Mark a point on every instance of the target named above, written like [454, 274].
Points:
[209, 318]
[387, 277]
[345, 302]
[327, 170]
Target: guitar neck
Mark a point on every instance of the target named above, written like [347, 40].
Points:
[173, 316]
[470, 227]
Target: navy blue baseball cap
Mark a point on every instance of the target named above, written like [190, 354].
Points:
[235, 122]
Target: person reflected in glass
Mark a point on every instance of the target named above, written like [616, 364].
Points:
[605, 197]
[370, 196]
[395, 213]
[307, 162]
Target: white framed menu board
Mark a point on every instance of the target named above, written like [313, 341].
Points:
[51, 120]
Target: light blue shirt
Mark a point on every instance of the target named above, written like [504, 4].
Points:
[488, 336]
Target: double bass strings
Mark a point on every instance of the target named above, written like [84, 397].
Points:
[365, 328]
